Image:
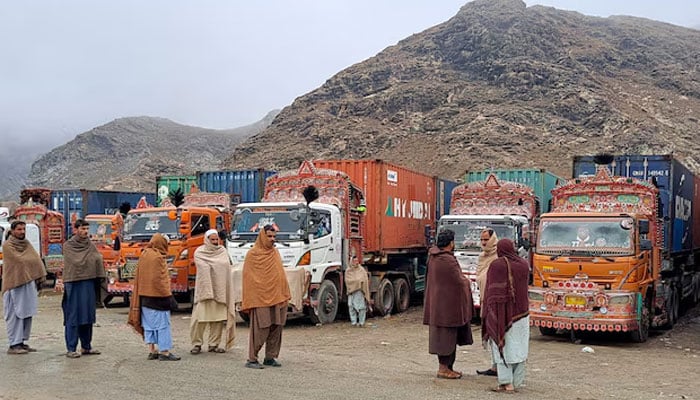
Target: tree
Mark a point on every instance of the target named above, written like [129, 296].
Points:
[177, 197]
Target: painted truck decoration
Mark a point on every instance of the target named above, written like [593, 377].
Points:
[382, 213]
[616, 252]
[509, 208]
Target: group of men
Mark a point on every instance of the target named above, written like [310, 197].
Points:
[502, 276]
[265, 293]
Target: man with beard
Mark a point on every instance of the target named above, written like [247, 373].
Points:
[22, 272]
[83, 274]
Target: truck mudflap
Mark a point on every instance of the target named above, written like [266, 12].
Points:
[584, 306]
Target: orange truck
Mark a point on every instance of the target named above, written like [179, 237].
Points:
[106, 234]
[34, 209]
[184, 226]
[616, 253]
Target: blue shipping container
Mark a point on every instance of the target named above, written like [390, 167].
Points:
[675, 183]
[77, 203]
[540, 180]
[247, 186]
[444, 196]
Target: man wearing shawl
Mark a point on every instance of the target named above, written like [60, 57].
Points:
[212, 296]
[357, 285]
[22, 271]
[152, 299]
[505, 321]
[83, 275]
[488, 244]
[448, 305]
[265, 296]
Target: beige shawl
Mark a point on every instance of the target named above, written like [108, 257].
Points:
[81, 260]
[356, 279]
[485, 258]
[21, 264]
[213, 282]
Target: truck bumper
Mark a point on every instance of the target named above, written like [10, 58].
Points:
[584, 323]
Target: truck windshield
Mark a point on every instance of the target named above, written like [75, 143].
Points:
[288, 221]
[599, 236]
[143, 225]
[467, 233]
[100, 231]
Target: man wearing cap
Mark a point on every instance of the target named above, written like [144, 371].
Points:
[213, 306]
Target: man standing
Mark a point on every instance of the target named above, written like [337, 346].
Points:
[505, 321]
[265, 296]
[212, 293]
[448, 305]
[83, 274]
[22, 271]
[488, 254]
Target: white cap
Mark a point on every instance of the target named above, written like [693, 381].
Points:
[211, 232]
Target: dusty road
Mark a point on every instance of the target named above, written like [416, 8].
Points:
[387, 360]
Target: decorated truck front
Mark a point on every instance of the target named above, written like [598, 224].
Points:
[382, 213]
[597, 258]
[508, 208]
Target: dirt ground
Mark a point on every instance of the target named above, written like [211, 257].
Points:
[388, 359]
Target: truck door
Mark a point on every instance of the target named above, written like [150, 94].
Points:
[323, 243]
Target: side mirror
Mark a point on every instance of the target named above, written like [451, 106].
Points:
[645, 244]
[185, 217]
[525, 244]
[643, 227]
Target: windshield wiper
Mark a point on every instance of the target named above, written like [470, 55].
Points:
[563, 253]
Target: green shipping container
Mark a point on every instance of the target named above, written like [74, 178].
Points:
[540, 180]
[170, 183]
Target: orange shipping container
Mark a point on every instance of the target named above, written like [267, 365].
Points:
[400, 203]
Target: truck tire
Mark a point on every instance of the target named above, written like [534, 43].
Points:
[402, 295]
[544, 331]
[384, 298]
[672, 306]
[642, 334]
[328, 302]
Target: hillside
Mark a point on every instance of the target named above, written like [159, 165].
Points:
[128, 154]
[500, 85]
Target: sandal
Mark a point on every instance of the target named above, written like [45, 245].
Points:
[448, 375]
[90, 352]
[502, 389]
[73, 354]
[215, 349]
[196, 349]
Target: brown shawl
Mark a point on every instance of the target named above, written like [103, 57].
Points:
[152, 278]
[506, 293]
[264, 280]
[448, 296]
[81, 260]
[486, 257]
[356, 279]
[21, 264]
[213, 282]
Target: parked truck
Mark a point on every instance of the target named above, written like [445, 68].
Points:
[245, 186]
[184, 226]
[617, 252]
[380, 212]
[77, 203]
[34, 210]
[509, 208]
[106, 233]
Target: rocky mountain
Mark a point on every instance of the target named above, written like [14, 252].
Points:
[501, 85]
[128, 153]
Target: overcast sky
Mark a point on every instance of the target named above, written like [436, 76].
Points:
[67, 66]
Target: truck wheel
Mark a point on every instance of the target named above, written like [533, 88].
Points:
[384, 298]
[544, 331]
[642, 334]
[327, 297]
[126, 299]
[402, 295]
[671, 310]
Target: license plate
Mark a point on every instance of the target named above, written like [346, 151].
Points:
[128, 270]
[575, 301]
